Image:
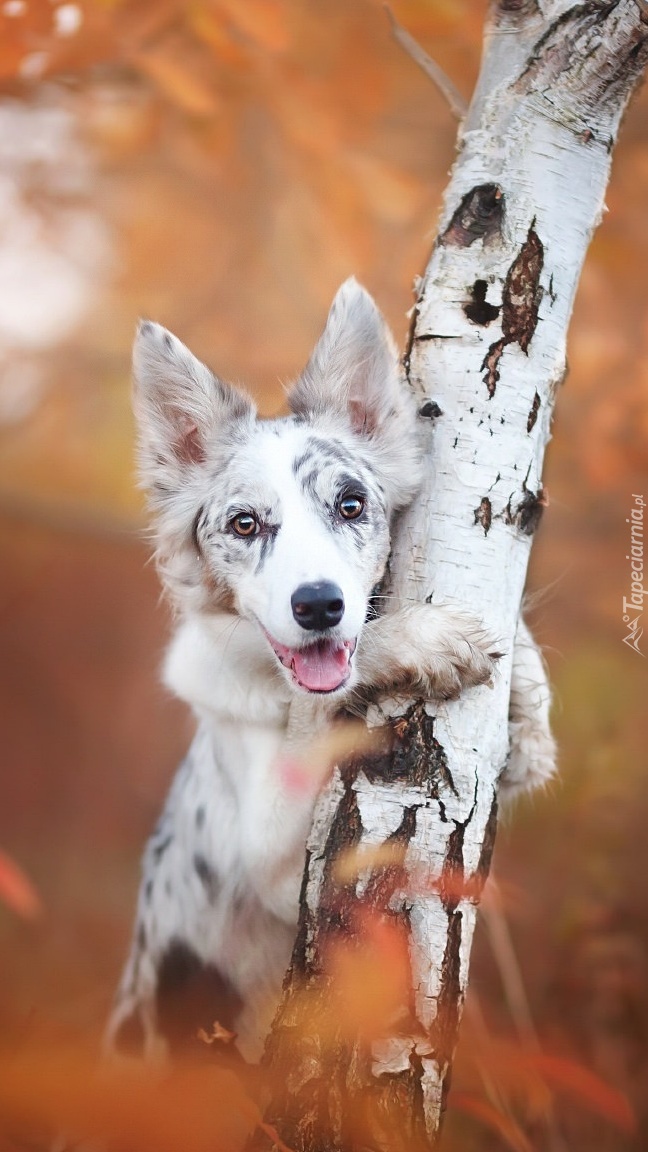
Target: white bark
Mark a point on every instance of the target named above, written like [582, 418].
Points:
[524, 198]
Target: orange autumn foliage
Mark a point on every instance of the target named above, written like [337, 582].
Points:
[200, 1109]
[17, 890]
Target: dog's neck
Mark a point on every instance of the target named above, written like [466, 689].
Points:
[224, 668]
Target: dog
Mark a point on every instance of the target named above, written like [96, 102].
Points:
[272, 537]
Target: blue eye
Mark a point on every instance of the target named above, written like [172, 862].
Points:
[351, 507]
[245, 524]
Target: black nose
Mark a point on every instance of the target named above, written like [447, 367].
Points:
[317, 606]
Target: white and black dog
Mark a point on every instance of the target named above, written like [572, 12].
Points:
[271, 536]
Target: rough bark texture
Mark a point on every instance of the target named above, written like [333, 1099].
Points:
[486, 355]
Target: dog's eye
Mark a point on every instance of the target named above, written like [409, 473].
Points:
[350, 507]
[245, 524]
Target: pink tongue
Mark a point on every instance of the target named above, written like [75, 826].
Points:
[321, 667]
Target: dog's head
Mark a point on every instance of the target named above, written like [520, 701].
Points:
[285, 522]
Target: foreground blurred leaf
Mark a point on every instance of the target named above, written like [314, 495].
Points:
[180, 76]
[194, 1108]
[493, 1118]
[371, 975]
[17, 891]
[590, 1090]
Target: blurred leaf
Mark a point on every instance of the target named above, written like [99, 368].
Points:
[216, 34]
[196, 1108]
[584, 1085]
[171, 67]
[493, 1118]
[371, 977]
[261, 21]
[17, 891]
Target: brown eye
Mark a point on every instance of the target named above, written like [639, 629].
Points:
[350, 507]
[245, 524]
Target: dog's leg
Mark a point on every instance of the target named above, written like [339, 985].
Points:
[131, 1030]
[435, 650]
[278, 809]
[532, 757]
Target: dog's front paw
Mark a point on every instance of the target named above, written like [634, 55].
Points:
[464, 655]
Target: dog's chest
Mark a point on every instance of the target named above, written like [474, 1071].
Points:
[195, 887]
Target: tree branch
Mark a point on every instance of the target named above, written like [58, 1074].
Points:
[433, 71]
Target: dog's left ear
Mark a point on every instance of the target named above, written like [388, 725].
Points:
[354, 367]
[354, 373]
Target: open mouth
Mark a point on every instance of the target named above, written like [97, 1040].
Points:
[322, 666]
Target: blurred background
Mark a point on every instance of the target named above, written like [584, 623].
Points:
[221, 166]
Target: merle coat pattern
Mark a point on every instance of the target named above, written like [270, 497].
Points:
[271, 536]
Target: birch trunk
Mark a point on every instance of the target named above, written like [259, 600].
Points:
[485, 357]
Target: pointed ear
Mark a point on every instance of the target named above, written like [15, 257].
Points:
[354, 368]
[354, 375]
[180, 406]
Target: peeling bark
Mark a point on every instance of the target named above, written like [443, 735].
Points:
[524, 198]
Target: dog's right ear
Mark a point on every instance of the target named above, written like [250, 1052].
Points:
[180, 406]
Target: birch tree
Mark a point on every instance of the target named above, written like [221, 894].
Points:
[485, 356]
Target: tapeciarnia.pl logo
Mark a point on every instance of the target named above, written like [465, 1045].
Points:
[632, 617]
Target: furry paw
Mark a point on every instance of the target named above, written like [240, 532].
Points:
[465, 656]
[532, 756]
[432, 650]
[532, 759]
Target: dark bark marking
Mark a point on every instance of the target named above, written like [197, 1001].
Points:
[518, 7]
[520, 305]
[527, 515]
[606, 78]
[430, 410]
[409, 343]
[484, 514]
[387, 879]
[452, 873]
[478, 310]
[415, 754]
[443, 1033]
[393, 1116]
[533, 414]
[305, 930]
[478, 217]
[522, 292]
[490, 364]
[338, 902]
[486, 854]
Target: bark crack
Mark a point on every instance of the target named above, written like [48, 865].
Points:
[521, 299]
[533, 413]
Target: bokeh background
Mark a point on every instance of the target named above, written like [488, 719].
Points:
[221, 166]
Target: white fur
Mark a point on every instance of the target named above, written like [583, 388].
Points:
[222, 872]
